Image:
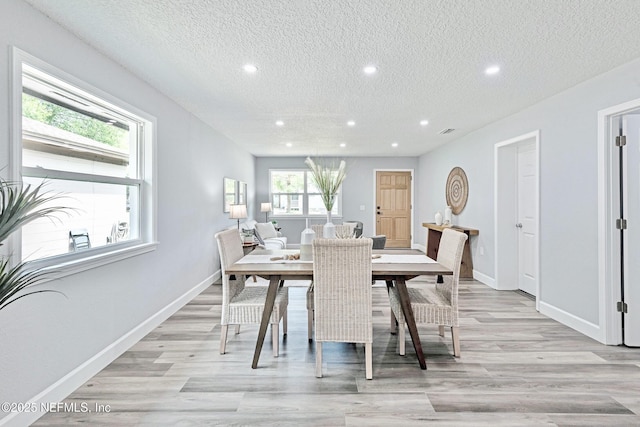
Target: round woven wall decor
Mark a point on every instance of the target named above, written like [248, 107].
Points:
[457, 190]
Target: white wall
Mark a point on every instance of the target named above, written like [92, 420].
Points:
[358, 190]
[568, 189]
[44, 337]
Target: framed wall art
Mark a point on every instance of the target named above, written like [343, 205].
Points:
[229, 193]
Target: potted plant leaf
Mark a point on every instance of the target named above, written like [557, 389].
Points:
[19, 205]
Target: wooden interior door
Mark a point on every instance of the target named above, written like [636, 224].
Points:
[393, 207]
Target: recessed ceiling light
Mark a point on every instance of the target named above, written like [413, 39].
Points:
[490, 71]
[343, 145]
[351, 123]
[394, 145]
[288, 144]
[424, 122]
[279, 123]
[370, 69]
[250, 68]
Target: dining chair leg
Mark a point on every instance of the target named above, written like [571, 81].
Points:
[284, 322]
[310, 324]
[394, 321]
[441, 330]
[401, 340]
[223, 338]
[456, 341]
[318, 359]
[275, 339]
[394, 324]
[368, 361]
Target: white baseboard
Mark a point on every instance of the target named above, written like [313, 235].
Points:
[489, 281]
[419, 247]
[66, 385]
[584, 327]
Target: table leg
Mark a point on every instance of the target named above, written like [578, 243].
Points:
[394, 321]
[403, 293]
[274, 282]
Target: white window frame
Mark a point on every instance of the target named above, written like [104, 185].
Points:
[305, 196]
[71, 263]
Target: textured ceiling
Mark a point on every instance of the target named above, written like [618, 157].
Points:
[431, 56]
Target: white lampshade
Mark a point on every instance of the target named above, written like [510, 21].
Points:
[238, 211]
[265, 207]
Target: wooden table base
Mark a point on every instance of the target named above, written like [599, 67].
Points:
[407, 311]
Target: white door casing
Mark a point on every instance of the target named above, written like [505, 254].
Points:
[631, 212]
[526, 220]
[609, 327]
[507, 241]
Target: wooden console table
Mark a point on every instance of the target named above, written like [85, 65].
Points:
[433, 241]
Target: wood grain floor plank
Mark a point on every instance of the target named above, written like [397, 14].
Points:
[518, 367]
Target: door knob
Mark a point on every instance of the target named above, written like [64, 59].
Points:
[519, 225]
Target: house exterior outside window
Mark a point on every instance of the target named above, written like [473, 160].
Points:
[93, 149]
[293, 193]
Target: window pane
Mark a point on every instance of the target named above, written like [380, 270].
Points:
[105, 213]
[316, 207]
[311, 186]
[287, 204]
[287, 181]
[63, 131]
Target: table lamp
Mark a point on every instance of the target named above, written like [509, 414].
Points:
[238, 212]
[266, 208]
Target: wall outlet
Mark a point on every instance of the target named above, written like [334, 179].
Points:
[361, 207]
[481, 250]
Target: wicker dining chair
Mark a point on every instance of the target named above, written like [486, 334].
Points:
[342, 231]
[245, 305]
[317, 228]
[342, 295]
[437, 304]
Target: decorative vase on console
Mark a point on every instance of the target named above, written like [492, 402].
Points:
[328, 181]
[438, 218]
[447, 216]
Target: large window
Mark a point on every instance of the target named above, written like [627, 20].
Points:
[293, 193]
[94, 151]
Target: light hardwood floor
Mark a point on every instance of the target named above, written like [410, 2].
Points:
[518, 367]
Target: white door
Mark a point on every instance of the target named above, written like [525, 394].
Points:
[631, 245]
[527, 218]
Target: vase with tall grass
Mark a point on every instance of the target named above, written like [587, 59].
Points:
[328, 180]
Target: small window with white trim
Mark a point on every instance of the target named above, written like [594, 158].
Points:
[97, 153]
[293, 193]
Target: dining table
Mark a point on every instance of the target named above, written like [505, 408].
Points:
[394, 267]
